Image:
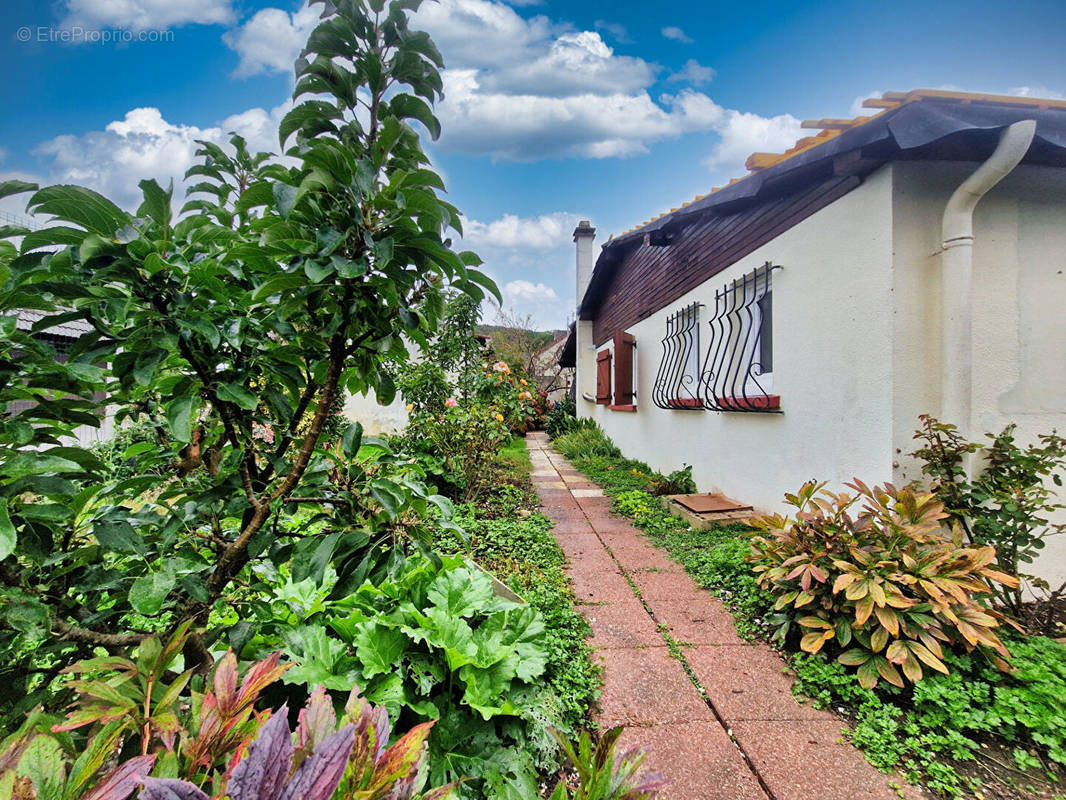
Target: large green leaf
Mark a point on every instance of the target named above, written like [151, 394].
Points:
[117, 535]
[179, 418]
[379, 649]
[43, 763]
[79, 205]
[8, 188]
[38, 464]
[7, 532]
[237, 394]
[156, 205]
[150, 591]
[461, 592]
[407, 106]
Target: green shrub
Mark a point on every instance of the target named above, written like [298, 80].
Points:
[604, 773]
[431, 640]
[677, 482]
[522, 552]
[587, 442]
[883, 587]
[561, 418]
[238, 324]
[1008, 505]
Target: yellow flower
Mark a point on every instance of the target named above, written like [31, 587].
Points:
[410, 406]
[523, 382]
[499, 417]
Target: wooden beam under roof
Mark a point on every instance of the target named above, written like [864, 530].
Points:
[832, 123]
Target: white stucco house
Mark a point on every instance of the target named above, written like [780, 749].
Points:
[795, 323]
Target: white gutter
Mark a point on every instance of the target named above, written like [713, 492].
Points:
[956, 275]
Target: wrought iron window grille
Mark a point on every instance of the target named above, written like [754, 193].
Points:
[677, 381]
[737, 362]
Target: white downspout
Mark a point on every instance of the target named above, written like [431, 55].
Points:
[956, 274]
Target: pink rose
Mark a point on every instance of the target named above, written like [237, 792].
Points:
[451, 402]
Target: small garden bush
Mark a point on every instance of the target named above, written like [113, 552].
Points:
[1007, 505]
[560, 418]
[949, 731]
[883, 586]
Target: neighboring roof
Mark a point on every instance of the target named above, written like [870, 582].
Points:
[72, 329]
[921, 124]
[568, 355]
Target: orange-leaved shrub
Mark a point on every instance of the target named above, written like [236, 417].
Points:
[880, 584]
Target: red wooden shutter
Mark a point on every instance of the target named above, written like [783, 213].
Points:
[624, 344]
[603, 377]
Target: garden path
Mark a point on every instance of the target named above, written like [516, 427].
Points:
[715, 712]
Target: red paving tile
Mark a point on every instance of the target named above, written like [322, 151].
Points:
[804, 760]
[576, 545]
[644, 558]
[749, 683]
[704, 622]
[793, 749]
[594, 585]
[624, 624]
[573, 526]
[698, 759]
[594, 505]
[646, 686]
[655, 586]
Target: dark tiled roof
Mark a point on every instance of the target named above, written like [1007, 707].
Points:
[72, 329]
[920, 124]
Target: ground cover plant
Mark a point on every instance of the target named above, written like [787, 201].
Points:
[975, 732]
[236, 516]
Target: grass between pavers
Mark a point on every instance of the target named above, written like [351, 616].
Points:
[974, 733]
[514, 542]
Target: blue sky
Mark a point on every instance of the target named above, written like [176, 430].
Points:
[554, 111]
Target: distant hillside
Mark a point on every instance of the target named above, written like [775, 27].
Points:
[538, 338]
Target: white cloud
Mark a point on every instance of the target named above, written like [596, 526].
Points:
[675, 33]
[271, 40]
[1041, 92]
[145, 145]
[139, 15]
[538, 301]
[574, 64]
[546, 232]
[538, 248]
[617, 31]
[743, 134]
[857, 109]
[525, 89]
[693, 72]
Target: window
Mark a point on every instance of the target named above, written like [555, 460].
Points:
[677, 381]
[738, 366]
[624, 396]
[603, 377]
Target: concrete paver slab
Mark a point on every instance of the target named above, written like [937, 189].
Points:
[624, 624]
[749, 683]
[647, 687]
[804, 760]
[698, 759]
[703, 623]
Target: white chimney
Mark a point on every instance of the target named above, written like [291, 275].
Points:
[584, 235]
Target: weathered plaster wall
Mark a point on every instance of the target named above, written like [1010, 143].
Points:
[832, 365]
[1019, 323]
